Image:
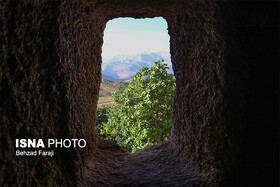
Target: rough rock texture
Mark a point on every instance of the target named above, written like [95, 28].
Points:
[33, 102]
[51, 72]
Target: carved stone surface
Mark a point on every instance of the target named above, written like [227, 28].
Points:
[51, 72]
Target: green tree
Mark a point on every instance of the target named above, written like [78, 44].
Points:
[102, 115]
[143, 110]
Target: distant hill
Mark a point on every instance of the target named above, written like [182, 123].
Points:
[123, 67]
[106, 89]
[106, 77]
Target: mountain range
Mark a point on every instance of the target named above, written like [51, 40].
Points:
[123, 67]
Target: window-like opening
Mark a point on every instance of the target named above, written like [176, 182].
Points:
[136, 94]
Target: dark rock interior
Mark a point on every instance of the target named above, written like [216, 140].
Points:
[225, 127]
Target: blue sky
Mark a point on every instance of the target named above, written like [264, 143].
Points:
[129, 36]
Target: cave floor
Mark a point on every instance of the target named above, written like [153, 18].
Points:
[152, 166]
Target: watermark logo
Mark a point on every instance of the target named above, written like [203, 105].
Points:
[40, 144]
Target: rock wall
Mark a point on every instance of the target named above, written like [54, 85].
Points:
[33, 102]
[200, 133]
[51, 73]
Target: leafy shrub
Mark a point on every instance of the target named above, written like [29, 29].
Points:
[143, 110]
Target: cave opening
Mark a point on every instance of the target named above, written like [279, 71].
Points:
[198, 65]
[137, 88]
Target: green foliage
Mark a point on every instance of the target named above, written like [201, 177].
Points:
[143, 110]
[102, 115]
